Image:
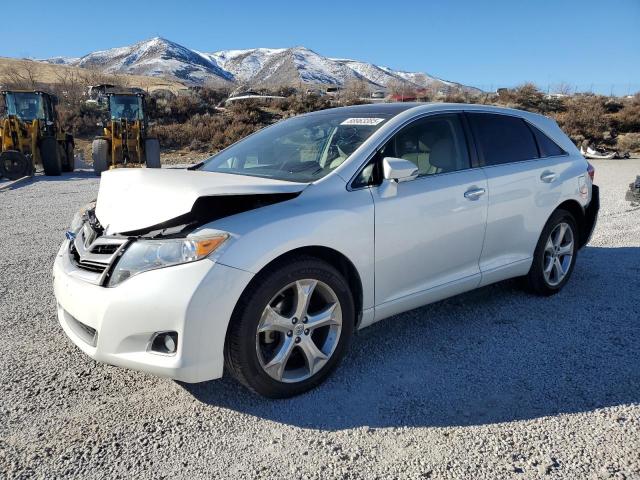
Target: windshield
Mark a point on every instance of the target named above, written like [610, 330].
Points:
[300, 149]
[25, 106]
[128, 107]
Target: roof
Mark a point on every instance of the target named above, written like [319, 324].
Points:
[372, 108]
[18, 90]
[393, 109]
[123, 91]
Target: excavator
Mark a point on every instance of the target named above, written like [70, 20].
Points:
[31, 134]
[125, 140]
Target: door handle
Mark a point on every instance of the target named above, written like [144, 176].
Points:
[474, 193]
[548, 176]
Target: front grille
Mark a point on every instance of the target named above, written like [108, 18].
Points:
[108, 249]
[94, 253]
[93, 267]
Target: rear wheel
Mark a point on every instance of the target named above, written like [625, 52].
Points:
[50, 154]
[100, 155]
[555, 255]
[14, 165]
[290, 328]
[152, 152]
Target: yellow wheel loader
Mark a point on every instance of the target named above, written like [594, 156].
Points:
[125, 141]
[30, 135]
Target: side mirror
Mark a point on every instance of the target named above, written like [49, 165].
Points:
[399, 169]
[396, 170]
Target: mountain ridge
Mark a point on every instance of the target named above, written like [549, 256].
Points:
[294, 66]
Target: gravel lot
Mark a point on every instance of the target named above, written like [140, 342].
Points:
[491, 384]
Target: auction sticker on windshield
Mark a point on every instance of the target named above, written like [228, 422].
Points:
[362, 121]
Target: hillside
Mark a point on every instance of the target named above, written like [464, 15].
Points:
[50, 73]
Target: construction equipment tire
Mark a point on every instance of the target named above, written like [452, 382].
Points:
[50, 155]
[100, 155]
[14, 165]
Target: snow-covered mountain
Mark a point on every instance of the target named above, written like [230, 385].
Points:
[159, 57]
[62, 60]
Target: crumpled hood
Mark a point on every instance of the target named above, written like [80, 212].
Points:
[133, 199]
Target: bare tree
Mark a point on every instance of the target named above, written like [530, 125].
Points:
[93, 76]
[70, 86]
[401, 89]
[564, 88]
[355, 90]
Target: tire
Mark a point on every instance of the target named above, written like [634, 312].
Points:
[152, 152]
[548, 249]
[50, 154]
[14, 165]
[100, 155]
[249, 355]
[69, 164]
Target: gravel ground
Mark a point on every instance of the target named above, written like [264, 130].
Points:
[491, 384]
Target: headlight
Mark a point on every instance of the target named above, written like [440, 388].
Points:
[144, 255]
[78, 218]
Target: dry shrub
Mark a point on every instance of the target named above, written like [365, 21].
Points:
[629, 142]
[247, 112]
[455, 96]
[627, 119]
[584, 118]
[80, 119]
[297, 104]
[210, 132]
[177, 109]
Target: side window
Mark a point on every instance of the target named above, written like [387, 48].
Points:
[370, 175]
[548, 148]
[435, 144]
[502, 138]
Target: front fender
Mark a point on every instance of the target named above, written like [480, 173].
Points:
[324, 215]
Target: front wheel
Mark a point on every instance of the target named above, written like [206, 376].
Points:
[50, 154]
[555, 255]
[290, 328]
[100, 155]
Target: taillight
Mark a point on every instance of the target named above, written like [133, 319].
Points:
[591, 171]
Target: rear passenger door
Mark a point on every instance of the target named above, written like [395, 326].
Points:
[523, 169]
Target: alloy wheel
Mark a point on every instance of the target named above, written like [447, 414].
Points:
[299, 330]
[558, 254]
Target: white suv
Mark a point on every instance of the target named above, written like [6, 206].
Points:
[269, 255]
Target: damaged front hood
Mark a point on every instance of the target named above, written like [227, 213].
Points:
[137, 199]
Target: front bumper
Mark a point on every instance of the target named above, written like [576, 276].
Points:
[115, 325]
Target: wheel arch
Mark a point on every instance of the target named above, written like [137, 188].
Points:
[333, 257]
[576, 210]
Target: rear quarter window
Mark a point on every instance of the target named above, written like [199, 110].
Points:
[502, 138]
[548, 148]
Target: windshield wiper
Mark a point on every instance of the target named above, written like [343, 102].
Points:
[196, 166]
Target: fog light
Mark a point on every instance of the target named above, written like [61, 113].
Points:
[164, 342]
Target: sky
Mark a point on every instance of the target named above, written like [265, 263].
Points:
[591, 45]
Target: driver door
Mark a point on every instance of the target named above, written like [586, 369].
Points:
[429, 235]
